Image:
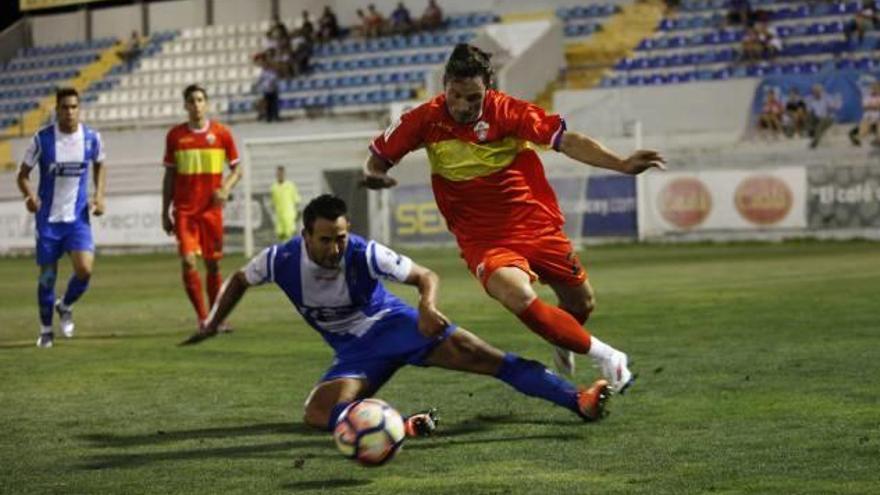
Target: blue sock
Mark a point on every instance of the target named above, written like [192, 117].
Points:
[533, 379]
[75, 289]
[334, 414]
[46, 296]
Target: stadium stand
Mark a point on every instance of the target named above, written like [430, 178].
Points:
[35, 72]
[695, 45]
[348, 75]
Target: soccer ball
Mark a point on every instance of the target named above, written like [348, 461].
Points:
[369, 431]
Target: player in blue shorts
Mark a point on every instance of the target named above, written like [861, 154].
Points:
[333, 278]
[63, 152]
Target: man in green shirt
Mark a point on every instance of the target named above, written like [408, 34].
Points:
[285, 199]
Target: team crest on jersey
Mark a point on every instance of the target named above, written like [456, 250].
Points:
[211, 138]
[481, 129]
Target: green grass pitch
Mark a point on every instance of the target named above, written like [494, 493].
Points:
[759, 373]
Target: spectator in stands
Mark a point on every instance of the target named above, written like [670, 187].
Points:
[301, 48]
[432, 17]
[373, 22]
[267, 85]
[277, 36]
[794, 122]
[770, 120]
[132, 50]
[870, 116]
[771, 43]
[752, 48]
[865, 18]
[739, 13]
[401, 21]
[821, 109]
[306, 28]
[672, 6]
[328, 26]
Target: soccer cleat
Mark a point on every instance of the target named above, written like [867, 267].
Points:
[591, 401]
[45, 340]
[616, 371]
[563, 359]
[66, 317]
[421, 424]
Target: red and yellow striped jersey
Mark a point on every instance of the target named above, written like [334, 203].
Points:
[488, 180]
[198, 156]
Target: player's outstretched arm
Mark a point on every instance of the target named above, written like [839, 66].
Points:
[586, 150]
[231, 292]
[376, 174]
[431, 320]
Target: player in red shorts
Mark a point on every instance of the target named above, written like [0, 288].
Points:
[195, 155]
[489, 185]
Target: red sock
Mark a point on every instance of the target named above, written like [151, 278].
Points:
[214, 282]
[193, 286]
[556, 326]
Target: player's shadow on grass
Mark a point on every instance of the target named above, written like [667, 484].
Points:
[512, 419]
[133, 335]
[162, 436]
[122, 461]
[323, 485]
[17, 345]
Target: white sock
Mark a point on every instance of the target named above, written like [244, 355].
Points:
[600, 351]
[44, 329]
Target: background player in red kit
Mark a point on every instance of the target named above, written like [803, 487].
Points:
[195, 154]
[489, 185]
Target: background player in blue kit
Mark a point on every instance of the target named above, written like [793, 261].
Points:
[333, 279]
[63, 151]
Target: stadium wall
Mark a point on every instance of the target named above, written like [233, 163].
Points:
[13, 39]
[59, 28]
[675, 109]
[237, 12]
[177, 14]
[117, 22]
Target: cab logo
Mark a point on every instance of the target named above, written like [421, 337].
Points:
[685, 202]
[763, 199]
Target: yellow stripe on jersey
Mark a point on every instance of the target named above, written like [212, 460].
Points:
[200, 161]
[457, 160]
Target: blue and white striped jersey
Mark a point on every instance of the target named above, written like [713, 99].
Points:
[64, 161]
[348, 306]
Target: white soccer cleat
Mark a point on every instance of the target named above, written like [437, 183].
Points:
[45, 340]
[563, 359]
[616, 371]
[66, 317]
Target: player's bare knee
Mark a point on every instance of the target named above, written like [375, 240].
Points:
[475, 355]
[514, 298]
[188, 262]
[83, 273]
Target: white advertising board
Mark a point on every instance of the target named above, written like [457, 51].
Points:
[723, 200]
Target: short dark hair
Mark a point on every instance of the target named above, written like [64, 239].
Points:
[62, 93]
[192, 88]
[326, 206]
[467, 61]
